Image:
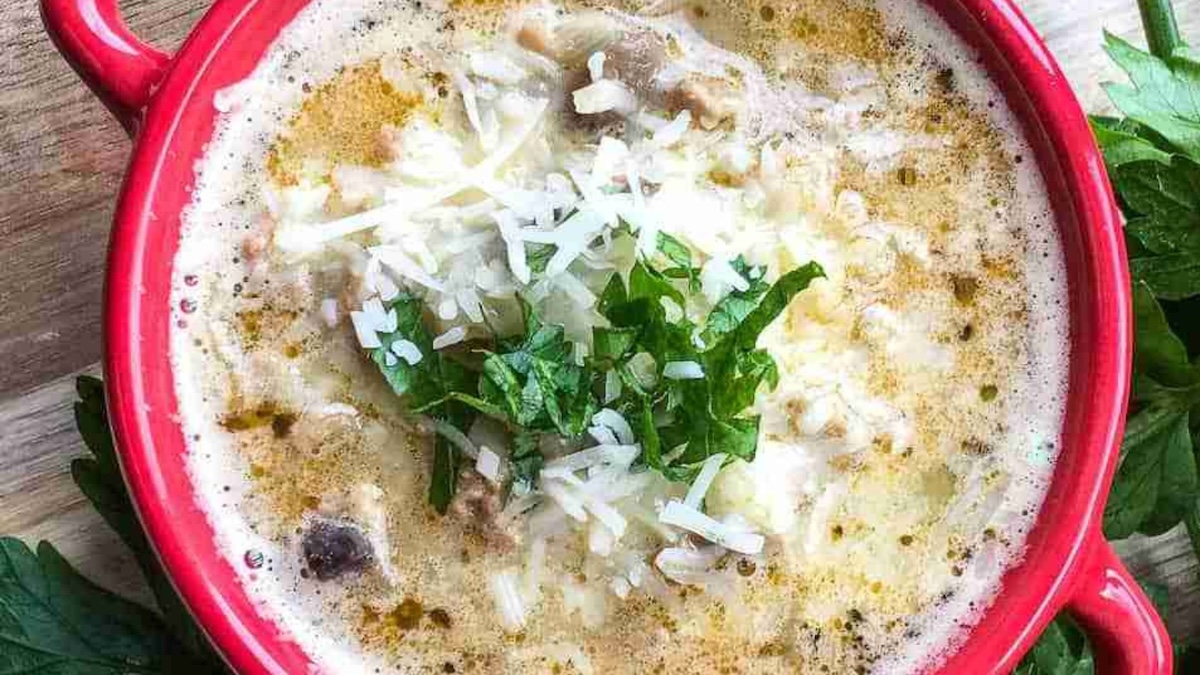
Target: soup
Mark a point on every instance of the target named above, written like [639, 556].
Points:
[685, 337]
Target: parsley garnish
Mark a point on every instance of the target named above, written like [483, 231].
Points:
[1153, 157]
[532, 383]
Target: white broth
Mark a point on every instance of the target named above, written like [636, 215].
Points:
[838, 487]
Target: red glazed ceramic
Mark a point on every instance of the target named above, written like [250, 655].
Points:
[165, 102]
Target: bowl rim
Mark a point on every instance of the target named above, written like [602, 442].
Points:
[225, 46]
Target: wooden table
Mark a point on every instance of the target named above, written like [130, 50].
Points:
[61, 161]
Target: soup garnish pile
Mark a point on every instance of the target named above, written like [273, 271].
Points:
[705, 337]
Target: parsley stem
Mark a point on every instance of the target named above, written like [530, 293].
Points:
[1158, 20]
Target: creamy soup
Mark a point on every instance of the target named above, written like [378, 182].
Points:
[709, 337]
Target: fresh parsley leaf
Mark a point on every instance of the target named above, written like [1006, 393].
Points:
[1187, 658]
[537, 382]
[1171, 277]
[1164, 96]
[733, 309]
[641, 310]
[1163, 204]
[707, 411]
[614, 294]
[1159, 353]
[1184, 319]
[675, 251]
[53, 620]
[681, 257]
[566, 394]
[507, 387]
[731, 357]
[708, 435]
[1153, 156]
[430, 379]
[736, 393]
[429, 387]
[773, 302]
[652, 449]
[1061, 650]
[525, 460]
[613, 344]
[646, 282]
[443, 483]
[537, 256]
[1121, 143]
[1156, 482]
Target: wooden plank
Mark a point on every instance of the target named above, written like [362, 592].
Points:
[61, 161]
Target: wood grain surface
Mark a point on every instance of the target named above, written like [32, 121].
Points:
[61, 162]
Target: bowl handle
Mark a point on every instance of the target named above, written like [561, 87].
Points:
[121, 69]
[1127, 635]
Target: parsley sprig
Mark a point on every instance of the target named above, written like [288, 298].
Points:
[1153, 157]
[532, 384]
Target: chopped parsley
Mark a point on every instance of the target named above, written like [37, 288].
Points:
[534, 385]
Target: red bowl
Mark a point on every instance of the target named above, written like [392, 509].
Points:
[166, 104]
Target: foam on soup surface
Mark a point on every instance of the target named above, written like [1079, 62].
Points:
[395, 171]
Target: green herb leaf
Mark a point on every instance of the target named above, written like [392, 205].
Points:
[504, 379]
[1159, 353]
[736, 335]
[525, 458]
[537, 256]
[1122, 145]
[733, 309]
[431, 378]
[1187, 658]
[1165, 95]
[681, 257]
[737, 392]
[444, 481]
[707, 411]
[652, 449]
[1184, 319]
[1153, 157]
[539, 341]
[431, 386]
[675, 251]
[613, 344]
[1163, 202]
[1061, 650]
[773, 302]
[645, 282]
[53, 620]
[1170, 277]
[1156, 482]
[614, 294]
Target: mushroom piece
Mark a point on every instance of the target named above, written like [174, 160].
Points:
[334, 549]
[634, 55]
[711, 100]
